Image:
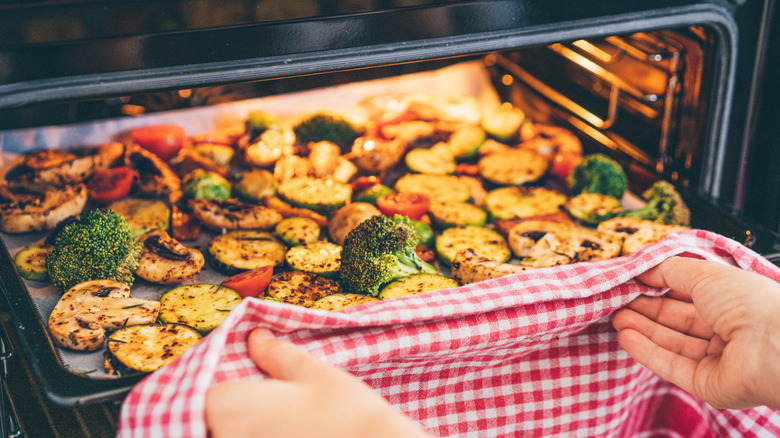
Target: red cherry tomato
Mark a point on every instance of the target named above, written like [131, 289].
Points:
[364, 182]
[110, 184]
[250, 283]
[165, 141]
[563, 164]
[413, 205]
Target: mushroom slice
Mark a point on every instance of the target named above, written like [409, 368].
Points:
[155, 177]
[28, 208]
[469, 267]
[233, 215]
[375, 154]
[164, 260]
[547, 243]
[523, 236]
[637, 232]
[86, 311]
[61, 167]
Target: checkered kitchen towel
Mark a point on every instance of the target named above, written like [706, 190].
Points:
[530, 354]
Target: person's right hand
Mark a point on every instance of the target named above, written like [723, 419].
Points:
[716, 334]
[305, 397]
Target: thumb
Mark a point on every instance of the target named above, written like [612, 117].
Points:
[280, 359]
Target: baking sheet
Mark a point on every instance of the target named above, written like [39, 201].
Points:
[468, 78]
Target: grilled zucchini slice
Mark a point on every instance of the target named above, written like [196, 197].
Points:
[437, 187]
[146, 348]
[295, 231]
[200, 306]
[254, 184]
[30, 262]
[523, 202]
[465, 142]
[300, 288]
[483, 241]
[321, 195]
[513, 167]
[454, 214]
[243, 250]
[322, 258]
[430, 162]
[416, 284]
[504, 122]
[593, 208]
[143, 214]
[340, 301]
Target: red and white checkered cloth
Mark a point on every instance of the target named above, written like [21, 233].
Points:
[529, 354]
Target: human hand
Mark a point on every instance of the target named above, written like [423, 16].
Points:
[716, 334]
[305, 397]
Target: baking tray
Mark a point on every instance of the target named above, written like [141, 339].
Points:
[78, 378]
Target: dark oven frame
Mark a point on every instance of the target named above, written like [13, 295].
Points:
[55, 72]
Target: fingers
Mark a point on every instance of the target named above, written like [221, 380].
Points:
[677, 315]
[675, 368]
[281, 359]
[666, 338]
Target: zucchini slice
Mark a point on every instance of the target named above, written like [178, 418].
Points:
[593, 208]
[322, 258]
[513, 167]
[300, 288]
[340, 301]
[30, 262]
[147, 347]
[143, 214]
[523, 202]
[454, 214]
[416, 284]
[504, 122]
[321, 195]
[483, 241]
[437, 187]
[254, 184]
[200, 306]
[297, 230]
[430, 162]
[243, 250]
[465, 142]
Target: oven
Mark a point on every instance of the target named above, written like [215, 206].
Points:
[679, 90]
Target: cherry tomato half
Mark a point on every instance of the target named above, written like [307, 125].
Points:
[363, 183]
[165, 141]
[250, 283]
[413, 205]
[563, 164]
[110, 184]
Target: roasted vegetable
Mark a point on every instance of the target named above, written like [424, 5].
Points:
[147, 347]
[255, 184]
[259, 121]
[97, 246]
[664, 205]
[86, 311]
[327, 127]
[378, 251]
[598, 174]
[593, 208]
[203, 184]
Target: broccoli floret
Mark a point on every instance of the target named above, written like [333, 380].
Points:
[327, 127]
[260, 121]
[598, 174]
[664, 204]
[97, 246]
[378, 251]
